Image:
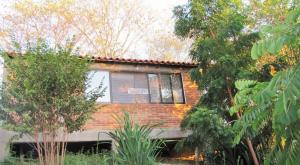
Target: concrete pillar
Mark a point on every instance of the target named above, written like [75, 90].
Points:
[113, 146]
[4, 143]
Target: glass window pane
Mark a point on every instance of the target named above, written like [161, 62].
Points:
[129, 88]
[154, 88]
[141, 88]
[166, 91]
[95, 79]
[177, 88]
[121, 85]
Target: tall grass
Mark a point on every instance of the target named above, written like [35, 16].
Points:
[84, 159]
[70, 159]
[17, 161]
[133, 143]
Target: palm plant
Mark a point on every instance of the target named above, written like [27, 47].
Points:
[133, 143]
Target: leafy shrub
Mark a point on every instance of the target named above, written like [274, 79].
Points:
[84, 159]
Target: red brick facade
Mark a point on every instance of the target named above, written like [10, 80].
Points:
[169, 115]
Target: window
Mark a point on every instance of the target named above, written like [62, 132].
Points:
[125, 87]
[96, 77]
[154, 88]
[129, 88]
[166, 88]
[177, 88]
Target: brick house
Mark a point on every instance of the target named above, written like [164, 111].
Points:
[150, 91]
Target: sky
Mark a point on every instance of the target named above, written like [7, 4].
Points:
[165, 6]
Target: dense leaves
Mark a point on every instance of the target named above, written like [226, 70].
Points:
[279, 100]
[45, 89]
[43, 96]
[220, 46]
[223, 37]
[210, 130]
[275, 37]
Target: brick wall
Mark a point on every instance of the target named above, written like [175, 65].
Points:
[169, 115]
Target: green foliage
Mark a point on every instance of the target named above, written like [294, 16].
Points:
[244, 103]
[133, 143]
[243, 99]
[268, 11]
[279, 100]
[284, 89]
[44, 90]
[44, 96]
[220, 46]
[243, 84]
[84, 159]
[70, 159]
[208, 130]
[17, 161]
[223, 39]
[275, 37]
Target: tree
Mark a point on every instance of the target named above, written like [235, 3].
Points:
[99, 27]
[209, 132]
[166, 46]
[268, 11]
[221, 48]
[278, 99]
[162, 44]
[43, 96]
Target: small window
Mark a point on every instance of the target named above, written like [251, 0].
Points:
[96, 77]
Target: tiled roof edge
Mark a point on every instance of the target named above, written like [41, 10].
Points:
[140, 61]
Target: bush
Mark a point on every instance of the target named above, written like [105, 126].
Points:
[84, 159]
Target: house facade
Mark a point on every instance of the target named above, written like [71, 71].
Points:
[150, 91]
[156, 92]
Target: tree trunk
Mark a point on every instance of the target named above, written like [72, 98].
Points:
[250, 145]
[196, 156]
[248, 141]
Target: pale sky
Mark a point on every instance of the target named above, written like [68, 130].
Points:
[165, 6]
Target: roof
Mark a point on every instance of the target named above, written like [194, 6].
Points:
[134, 61]
[142, 61]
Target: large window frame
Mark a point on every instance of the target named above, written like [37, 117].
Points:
[148, 87]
